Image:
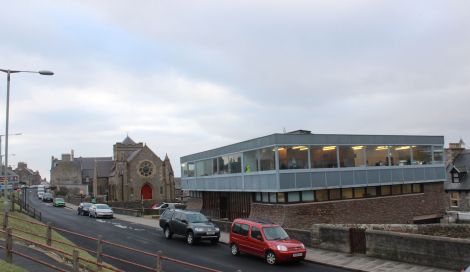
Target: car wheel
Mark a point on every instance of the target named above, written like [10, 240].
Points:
[190, 238]
[234, 250]
[270, 257]
[167, 233]
[214, 241]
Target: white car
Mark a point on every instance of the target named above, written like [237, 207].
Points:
[40, 195]
[100, 210]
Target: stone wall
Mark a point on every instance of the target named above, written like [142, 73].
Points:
[399, 209]
[443, 252]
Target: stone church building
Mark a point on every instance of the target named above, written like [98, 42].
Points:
[134, 173]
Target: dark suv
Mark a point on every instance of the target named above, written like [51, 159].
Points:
[193, 225]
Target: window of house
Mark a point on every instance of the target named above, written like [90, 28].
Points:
[235, 162]
[293, 197]
[293, 157]
[400, 155]
[360, 192]
[417, 188]
[346, 193]
[191, 169]
[215, 168]
[422, 154]
[321, 195]
[272, 197]
[377, 155]
[385, 190]
[323, 157]
[396, 189]
[407, 188]
[250, 159]
[281, 197]
[454, 199]
[351, 156]
[455, 176]
[265, 197]
[438, 154]
[223, 165]
[184, 169]
[204, 168]
[371, 191]
[334, 194]
[307, 196]
[267, 159]
[258, 197]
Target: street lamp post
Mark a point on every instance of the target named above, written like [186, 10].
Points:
[9, 72]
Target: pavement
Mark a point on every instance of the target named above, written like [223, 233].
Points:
[356, 262]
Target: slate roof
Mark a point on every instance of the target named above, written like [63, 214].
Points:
[104, 168]
[133, 155]
[89, 162]
[461, 163]
[128, 141]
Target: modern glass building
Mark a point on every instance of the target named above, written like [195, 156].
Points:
[300, 167]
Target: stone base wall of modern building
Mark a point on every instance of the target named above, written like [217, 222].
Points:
[400, 209]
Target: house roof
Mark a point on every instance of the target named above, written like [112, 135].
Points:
[461, 164]
[133, 155]
[128, 141]
[104, 168]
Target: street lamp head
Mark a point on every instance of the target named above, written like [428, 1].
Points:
[46, 73]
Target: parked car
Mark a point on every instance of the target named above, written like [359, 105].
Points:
[58, 202]
[40, 195]
[47, 197]
[264, 239]
[100, 210]
[84, 208]
[193, 225]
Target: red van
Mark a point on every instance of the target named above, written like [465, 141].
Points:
[264, 239]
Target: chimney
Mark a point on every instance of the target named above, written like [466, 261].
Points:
[71, 155]
[453, 151]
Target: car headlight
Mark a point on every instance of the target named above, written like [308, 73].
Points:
[217, 229]
[199, 229]
[302, 246]
[281, 247]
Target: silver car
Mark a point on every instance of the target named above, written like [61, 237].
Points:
[100, 210]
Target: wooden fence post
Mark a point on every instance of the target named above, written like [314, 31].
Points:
[49, 234]
[12, 200]
[5, 220]
[8, 246]
[40, 216]
[34, 212]
[99, 251]
[159, 262]
[76, 261]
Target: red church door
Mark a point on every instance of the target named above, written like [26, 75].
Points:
[146, 192]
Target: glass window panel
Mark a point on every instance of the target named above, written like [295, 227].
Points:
[400, 155]
[272, 197]
[371, 191]
[351, 156]
[407, 188]
[422, 154]
[204, 168]
[293, 196]
[334, 194]
[223, 165]
[250, 159]
[346, 193]
[235, 162]
[184, 169]
[281, 197]
[265, 197]
[417, 188]
[214, 166]
[438, 154]
[321, 195]
[293, 157]
[396, 189]
[323, 157]
[267, 159]
[359, 192]
[385, 190]
[377, 155]
[307, 196]
[191, 169]
[258, 197]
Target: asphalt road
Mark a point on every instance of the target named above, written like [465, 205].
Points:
[151, 240]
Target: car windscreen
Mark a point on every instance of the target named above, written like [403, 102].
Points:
[102, 206]
[87, 205]
[59, 199]
[196, 218]
[275, 233]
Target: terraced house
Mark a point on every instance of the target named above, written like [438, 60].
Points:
[299, 178]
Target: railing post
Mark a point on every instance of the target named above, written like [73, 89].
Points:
[158, 268]
[5, 220]
[99, 251]
[12, 200]
[40, 216]
[34, 213]
[76, 261]
[8, 246]
[49, 234]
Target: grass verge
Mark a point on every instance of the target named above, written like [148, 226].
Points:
[6, 267]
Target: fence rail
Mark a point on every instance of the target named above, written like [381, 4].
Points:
[48, 242]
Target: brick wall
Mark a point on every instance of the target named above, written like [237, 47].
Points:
[400, 209]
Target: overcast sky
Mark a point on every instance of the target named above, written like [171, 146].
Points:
[186, 76]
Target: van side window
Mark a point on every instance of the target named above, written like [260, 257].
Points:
[255, 233]
[241, 229]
